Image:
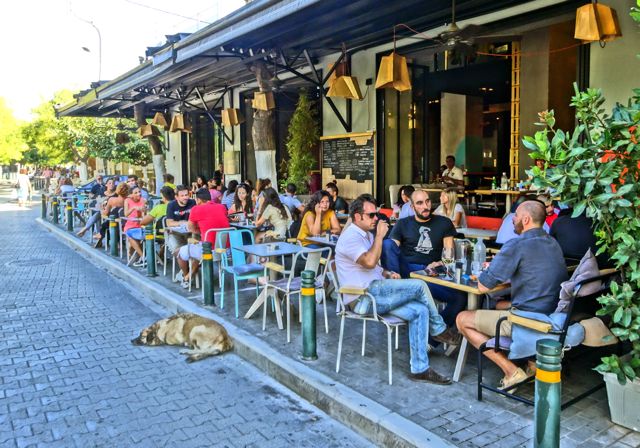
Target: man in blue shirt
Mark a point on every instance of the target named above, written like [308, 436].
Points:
[290, 199]
[535, 267]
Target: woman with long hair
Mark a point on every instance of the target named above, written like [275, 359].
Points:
[135, 207]
[201, 182]
[404, 194]
[242, 203]
[24, 188]
[261, 185]
[275, 213]
[318, 218]
[450, 208]
[112, 209]
[101, 202]
[229, 195]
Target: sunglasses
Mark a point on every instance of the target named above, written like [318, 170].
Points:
[371, 215]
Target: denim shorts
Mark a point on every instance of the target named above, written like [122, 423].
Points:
[135, 233]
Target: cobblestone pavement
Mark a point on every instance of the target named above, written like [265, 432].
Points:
[70, 377]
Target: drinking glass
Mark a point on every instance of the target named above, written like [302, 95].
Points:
[449, 259]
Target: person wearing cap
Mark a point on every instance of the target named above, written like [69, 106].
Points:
[204, 216]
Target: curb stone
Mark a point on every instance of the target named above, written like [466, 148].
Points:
[369, 418]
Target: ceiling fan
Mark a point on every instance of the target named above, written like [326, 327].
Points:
[463, 39]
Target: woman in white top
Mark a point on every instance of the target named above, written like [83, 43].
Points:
[24, 188]
[450, 208]
[276, 213]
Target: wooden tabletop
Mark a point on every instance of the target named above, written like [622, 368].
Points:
[470, 286]
[323, 241]
[511, 192]
[470, 232]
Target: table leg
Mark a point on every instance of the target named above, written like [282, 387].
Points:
[472, 304]
[255, 306]
[507, 204]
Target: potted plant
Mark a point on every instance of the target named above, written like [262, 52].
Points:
[595, 169]
[303, 137]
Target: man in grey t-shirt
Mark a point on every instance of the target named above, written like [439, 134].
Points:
[535, 267]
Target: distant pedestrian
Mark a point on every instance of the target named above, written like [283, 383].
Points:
[24, 188]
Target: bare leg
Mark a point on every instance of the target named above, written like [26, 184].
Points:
[184, 267]
[466, 325]
[136, 246]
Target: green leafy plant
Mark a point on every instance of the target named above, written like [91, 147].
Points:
[595, 169]
[303, 137]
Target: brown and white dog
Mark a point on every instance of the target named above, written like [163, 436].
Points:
[203, 336]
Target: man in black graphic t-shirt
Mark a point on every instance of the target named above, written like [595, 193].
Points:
[178, 214]
[420, 240]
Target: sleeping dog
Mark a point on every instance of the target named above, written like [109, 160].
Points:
[203, 336]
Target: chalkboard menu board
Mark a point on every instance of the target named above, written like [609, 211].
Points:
[350, 156]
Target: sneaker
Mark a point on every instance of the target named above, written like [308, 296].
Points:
[132, 260]
[140, 263]
[449, 337]
[179, 277]
[430, 376]
[185, 284]
[363, 306]
[518, 377]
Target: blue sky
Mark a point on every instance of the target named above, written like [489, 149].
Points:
[43, 41]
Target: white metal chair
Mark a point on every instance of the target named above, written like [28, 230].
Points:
[317, 260]
[389, 321]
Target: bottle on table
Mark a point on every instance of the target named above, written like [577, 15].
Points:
[504, 182]
[493, 183]
[479, 257]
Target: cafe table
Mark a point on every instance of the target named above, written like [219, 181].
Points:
[508, 195]
[473, 296]
[323, 241]
[469, 232]
[268, 250]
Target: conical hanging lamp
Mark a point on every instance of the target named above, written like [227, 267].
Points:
[393, 73]
[345, 87]
[596, 22]
[159, 119]
[180, 122]
[148, 130]
[231, 117]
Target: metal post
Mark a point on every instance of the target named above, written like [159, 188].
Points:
[208, 284]
[113, 236]
[54, 204]
[69, 209]
[308, 292]
[44, 206]
[548, 394]
[150, 248]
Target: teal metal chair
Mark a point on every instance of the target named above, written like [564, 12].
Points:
[234, 261]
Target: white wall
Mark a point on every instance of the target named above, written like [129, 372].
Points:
[615, 68]
[173, 157]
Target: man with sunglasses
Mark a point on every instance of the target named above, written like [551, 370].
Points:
[357, 261]
[419, 241]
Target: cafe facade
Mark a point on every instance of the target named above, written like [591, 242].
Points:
[473, 95]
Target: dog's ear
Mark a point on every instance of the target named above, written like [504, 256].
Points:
[151, 338]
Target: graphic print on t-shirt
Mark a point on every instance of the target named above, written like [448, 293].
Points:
[424, 245]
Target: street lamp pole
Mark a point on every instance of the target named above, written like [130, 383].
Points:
[99, 49]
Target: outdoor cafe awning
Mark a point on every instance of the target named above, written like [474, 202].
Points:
[195, 69]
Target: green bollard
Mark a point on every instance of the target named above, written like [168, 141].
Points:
[150, 248]
[548, 394]
[308, 292]
[69, 209]
[44, 207]
[56, 215]
[208, 283]
[113, 236]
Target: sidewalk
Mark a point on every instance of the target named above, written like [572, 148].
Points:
[403, 414]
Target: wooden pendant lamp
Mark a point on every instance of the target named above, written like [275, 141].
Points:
[342, 84]
[122, 138]
[180, 123]
[393, 73]
[263, 101]
[231, 117]
[159, 119]
[596, 22]
[148, 130]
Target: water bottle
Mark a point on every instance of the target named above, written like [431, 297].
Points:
[493, 183]
[479, 257]
[504, 182]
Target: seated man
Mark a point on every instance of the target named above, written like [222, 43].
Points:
[534, 265]
[157, 213]
[339, 204]
[205, 215]
[416, 243]
[357, 256]
[178, 213]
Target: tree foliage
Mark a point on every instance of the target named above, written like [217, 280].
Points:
[11, 143]
[595, 169]
[303, 136]
[53, 140]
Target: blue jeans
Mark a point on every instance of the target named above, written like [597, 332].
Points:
[409, 300]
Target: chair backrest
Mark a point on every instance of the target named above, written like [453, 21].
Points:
[483, 222]
[238, 238]
[316, 260]
[388, 212]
